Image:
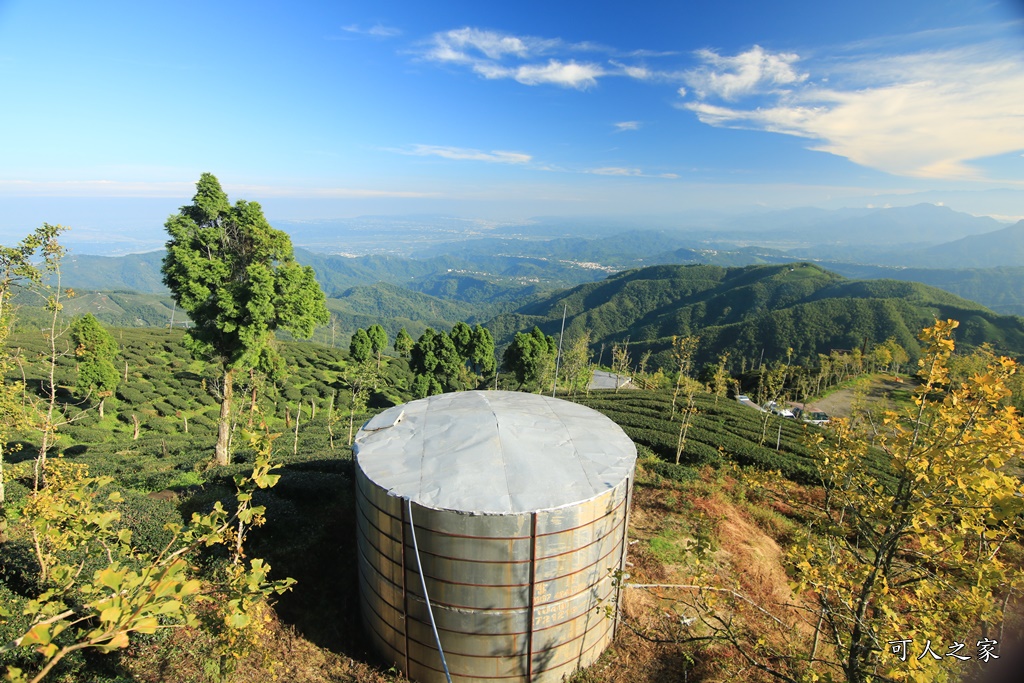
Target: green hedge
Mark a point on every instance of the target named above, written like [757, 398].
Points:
[131, 395]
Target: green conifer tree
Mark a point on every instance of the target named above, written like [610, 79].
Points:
[95, 349]
[237, 279]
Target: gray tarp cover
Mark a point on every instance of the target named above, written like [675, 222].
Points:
[494, 452]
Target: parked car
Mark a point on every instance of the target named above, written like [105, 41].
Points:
[781, 411]
[815, 417]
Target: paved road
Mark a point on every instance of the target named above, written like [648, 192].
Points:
[609, 380]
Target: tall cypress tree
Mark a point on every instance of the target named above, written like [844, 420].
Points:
[95, 349]
[237, 279]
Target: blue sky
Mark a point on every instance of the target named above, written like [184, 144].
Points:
[508, 110]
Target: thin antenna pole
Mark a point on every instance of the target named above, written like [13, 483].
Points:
[554, 386]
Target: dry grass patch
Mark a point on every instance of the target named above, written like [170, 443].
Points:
[721, 590]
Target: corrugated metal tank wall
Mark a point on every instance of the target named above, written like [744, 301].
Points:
[516, 596]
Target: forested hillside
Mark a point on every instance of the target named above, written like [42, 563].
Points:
[756, 312]
[497, 274]
[999, 289]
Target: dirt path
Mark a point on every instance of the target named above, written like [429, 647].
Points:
[837, 404]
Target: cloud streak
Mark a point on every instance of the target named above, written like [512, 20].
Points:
[531, 60]
[925, 115]
[627, 172]
[377, 30]
[566, 74]
[466, 154]
[470, 45]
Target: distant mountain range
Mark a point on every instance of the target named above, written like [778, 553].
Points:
[751, 311]
[756, 311]
[1003, 247]
[1000, 289]
[919, 224]
[500, 268]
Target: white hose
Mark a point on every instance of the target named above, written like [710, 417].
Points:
[423, 582]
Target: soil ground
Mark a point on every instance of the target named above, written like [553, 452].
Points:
[839, 403]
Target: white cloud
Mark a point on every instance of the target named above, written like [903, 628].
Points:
[652, 53]
[626, 125]
[468, 44]
[924, 115]
[377, 30]
[566, 74]
[384, 31]
[465, 154]
[616, 171]
[755, 70]
[495, 55]
[640, 73]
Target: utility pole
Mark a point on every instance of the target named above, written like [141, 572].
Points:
[554, 386]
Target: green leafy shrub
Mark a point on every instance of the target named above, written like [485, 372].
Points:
[204, 398]
[88, 418]
[201, 421]
[88, 434]
[670, 470]
[131, 395]
[16, 493]
[146, 517]
[164, 408]
[176, 401]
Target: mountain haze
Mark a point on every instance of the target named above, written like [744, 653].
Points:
[1004, 247]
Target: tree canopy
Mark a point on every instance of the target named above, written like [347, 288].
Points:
[360, 348]
[436, 363]
[530, 356]
[95, 349]
[915, 553]
[237, 279]
[403, 343]
[481, 351]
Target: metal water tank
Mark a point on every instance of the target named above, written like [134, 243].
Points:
[519, 506]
